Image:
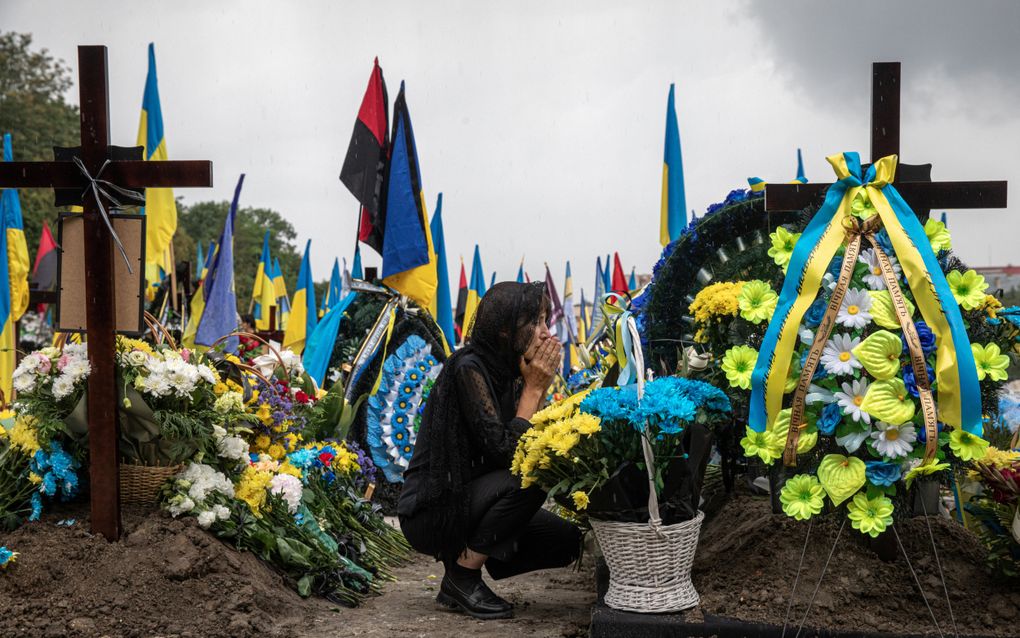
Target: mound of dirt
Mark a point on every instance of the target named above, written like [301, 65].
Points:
[166, 577]
[747, 561]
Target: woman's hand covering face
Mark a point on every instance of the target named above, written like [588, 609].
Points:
[541, 369]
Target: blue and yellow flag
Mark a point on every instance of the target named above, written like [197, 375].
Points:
[263, 293]
[219, 317]
[303, 315]
[282, 301]
[8, 356]
[475, 291]
[160, 208]
[18, 264]
[674, 204]
[600, 291]
[409, 260]
[442, 307]
[357, 272]
[208, 259]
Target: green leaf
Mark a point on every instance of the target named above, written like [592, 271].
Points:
[304, 586]
[883, 311]
[841, 476]
[889, 401]
[294, 552]
[880, 354]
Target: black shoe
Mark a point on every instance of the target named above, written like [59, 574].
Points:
[480, 602]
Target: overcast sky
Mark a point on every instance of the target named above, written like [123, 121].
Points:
[542, 122]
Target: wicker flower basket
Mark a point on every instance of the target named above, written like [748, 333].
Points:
[649, 567]
[141, 483]
[649, 563]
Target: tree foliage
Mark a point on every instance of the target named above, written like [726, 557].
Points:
[202, 222]
[34, 112]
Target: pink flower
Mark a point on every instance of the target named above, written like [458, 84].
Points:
[44, 364]
[185, 354]
[62, 362]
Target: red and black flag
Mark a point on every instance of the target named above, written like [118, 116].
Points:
[365, 164]
[462, 294]
[44, 272]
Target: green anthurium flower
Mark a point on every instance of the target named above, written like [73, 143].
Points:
[861, 205]
[781, 429]
[966, 446]
[738, 364]
[802, 497]
[840, 476]
[924, 469]
[938, 235]
[760, 444]
[990, 361]
[880, 354]
[882, 310]
[889, 401]
[968, 288]
[783, 242]
[870, 515]
[757, 301]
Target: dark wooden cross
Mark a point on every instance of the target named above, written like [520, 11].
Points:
[99, 255]
[912, 181]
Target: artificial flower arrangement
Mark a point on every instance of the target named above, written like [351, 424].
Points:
[862, 422]
[585, 451]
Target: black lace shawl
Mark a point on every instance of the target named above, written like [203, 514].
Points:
[468, 426]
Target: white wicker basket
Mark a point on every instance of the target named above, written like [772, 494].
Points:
[649, 563]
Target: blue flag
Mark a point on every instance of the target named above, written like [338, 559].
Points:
[800, 169]
[442, 308]
[220, 316]
[319, 345]
[520, 273]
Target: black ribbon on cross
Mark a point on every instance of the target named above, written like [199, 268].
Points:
[98, 189]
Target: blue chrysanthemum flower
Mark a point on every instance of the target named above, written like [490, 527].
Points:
[36, 507]
[884, 242]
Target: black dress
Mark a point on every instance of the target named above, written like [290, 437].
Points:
[500, 520]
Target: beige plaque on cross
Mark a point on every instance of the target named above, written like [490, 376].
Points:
[129, 287]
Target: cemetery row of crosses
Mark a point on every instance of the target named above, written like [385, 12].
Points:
[814, 350]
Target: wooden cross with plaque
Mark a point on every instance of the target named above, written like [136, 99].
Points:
[95, 172]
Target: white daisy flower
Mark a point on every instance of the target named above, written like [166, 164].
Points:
[851, 442]
[894, 441]
[851, 398]
[874, 278]
[854, 311]
[837, 357]
[818, 394]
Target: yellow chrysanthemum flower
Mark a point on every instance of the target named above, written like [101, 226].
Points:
[251, 489]
[580, 500]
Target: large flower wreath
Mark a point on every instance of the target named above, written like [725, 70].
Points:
[393, 411]
[889, 322]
